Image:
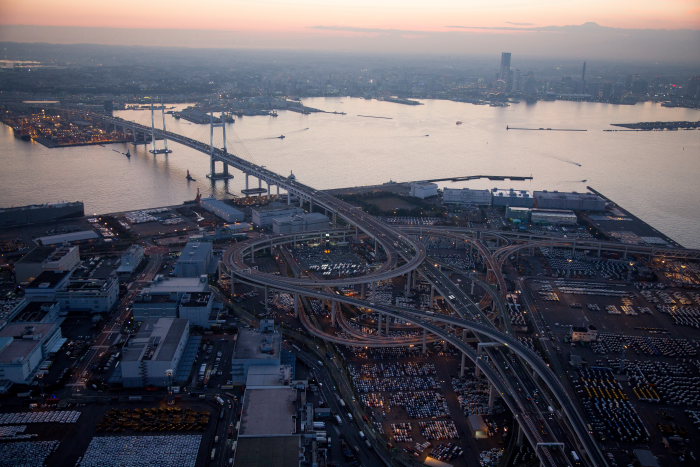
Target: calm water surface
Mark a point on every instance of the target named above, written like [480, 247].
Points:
[653, 174]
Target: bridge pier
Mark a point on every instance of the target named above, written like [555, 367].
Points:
[334, 311]
[213, 175]
[267, 300]
[424, 344]
[464, 356]
[296, 305]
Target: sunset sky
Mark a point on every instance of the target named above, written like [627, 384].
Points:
[388, 25]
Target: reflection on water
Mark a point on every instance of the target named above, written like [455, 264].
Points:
[650, 173]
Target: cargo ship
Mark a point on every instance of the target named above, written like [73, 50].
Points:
[38, 213]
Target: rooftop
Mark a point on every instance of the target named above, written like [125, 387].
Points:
[157, 340]
[33, 311]
[161, 285]
[268, 412]
[36, 255]
[48, 279]
[196, 251]
[278, 451]
[25, 339]
[193, 299]
[256, 345]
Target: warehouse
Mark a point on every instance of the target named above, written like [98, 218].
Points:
[569, 200]
[223, 210]
[466, 196]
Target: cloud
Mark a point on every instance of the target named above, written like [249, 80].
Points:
[365, 30]
[514, 23]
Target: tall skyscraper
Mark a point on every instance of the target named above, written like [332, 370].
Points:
[504, 73]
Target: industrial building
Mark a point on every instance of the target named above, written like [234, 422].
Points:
[80, 236]
[23, 347]
[263, 216]
[162, 298]
[36, 213]
[553, 217]
[515, 213]
[45, 286]
[156, 348]
[130, 261]
[511, 197]
[195, 260]
[423, 190]
[223, 210]
[196, 307]
[584, 334]
[466, 196]
[34, 312]
[569, 200]
[46, 258]
[255, 348]
[92, 295]
[300, 223]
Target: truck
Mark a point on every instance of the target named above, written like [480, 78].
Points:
[219, 400]
[338, 419]
[202, 371]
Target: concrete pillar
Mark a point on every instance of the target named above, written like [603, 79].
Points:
[387, 324]
[296, 305]
[519, 434]
[334, 310]
[363, 291]
[289, 198]
[425, 341]
[472, 288]
[408, 283]
[464, 356]
[259, 187]
[379, 324]
[247, 183]
[492, 396]
[267, 304]
[233, 286]
[278, 190]
[335, 219]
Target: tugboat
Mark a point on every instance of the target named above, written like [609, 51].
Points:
[190, 178]
[128, 154]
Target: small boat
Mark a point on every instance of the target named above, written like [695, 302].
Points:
[190, 178]
[281, 136]
[459, 122]
[128, 153]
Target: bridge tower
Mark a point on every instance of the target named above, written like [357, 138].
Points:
[165, 149]
[213, 175]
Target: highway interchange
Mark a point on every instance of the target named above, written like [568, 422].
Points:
[544, 410]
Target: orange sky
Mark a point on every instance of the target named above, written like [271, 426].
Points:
[297, 15]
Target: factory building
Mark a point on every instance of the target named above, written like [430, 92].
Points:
[45, 286]
[515, 213]
[46, 258]
[33, 312]
[223, 210]
[82, 236]
[92, 295]
[423, 190]
[23, 347]
[264, 215]
[511, 197]
[260, 347]
[196, 307]
[156, 348]
[466, 196]
[162, 297]
[195, 260]
[300, 223]
[130, 261]
[569, 200]
[553, 217]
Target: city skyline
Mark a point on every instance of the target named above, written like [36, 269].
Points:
[644, 30]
